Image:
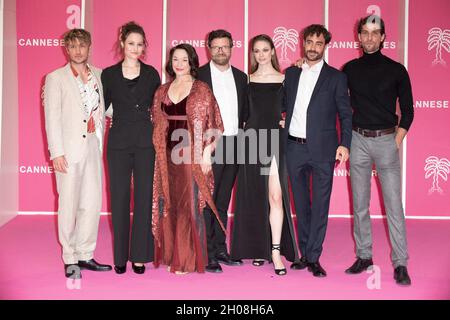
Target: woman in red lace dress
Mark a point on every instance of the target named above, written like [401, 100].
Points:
[187, 123]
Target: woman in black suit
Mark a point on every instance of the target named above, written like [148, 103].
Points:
[130, 85]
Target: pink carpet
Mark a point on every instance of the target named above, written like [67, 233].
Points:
[31, 268]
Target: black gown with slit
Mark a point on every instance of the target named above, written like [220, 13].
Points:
[251, 237]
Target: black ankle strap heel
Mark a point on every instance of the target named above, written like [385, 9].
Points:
[278, 272]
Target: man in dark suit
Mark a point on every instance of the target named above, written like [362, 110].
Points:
[314, 95]
[229, 86]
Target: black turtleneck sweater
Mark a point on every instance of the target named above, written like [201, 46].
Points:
[375, 82]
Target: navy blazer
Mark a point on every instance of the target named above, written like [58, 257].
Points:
[330, 98]
[240, 79]
[131, 112]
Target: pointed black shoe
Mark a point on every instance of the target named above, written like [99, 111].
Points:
[359, 266]
[300, 264]
[317, 270]
[213, 266]
[278, 272]
[224, 257]
[401, 276]
[138, 269]
[93, 265]
[72, 271]
[120, 269]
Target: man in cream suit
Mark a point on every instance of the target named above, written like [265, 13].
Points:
[74, 122]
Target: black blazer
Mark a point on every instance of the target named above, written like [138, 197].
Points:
[131, 112]
[330, 98]
[240, 79]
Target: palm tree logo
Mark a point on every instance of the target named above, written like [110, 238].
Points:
[285, 39]
[438, 168]
[439, 39]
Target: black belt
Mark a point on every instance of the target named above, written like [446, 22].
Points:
[373, 133]
[299, 140]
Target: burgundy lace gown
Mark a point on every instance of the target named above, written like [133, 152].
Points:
[183, 247]
[181, 190]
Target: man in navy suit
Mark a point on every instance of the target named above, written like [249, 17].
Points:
[314, 95]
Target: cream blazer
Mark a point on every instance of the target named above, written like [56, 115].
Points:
[65, 120]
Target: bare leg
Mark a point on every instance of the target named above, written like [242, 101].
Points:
[276, 212]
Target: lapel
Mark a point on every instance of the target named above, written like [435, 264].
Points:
[97, 76]
[239, 87]
[208, 78]
[121, 85]
[142, 85]
[73, 85]
[322, 77]
[295, 89]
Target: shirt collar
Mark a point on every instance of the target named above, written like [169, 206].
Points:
[75, 73]
[315, 68]
[216, 70]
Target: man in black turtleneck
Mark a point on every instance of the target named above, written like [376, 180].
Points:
[376, 82]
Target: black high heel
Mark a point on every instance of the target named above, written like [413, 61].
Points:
[138, 269]
[278, 272]
[120, 269]
[257, 263]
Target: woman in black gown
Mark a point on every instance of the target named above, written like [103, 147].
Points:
[263, 228]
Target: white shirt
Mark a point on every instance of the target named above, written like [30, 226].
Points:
[224, 89]
[308, 80]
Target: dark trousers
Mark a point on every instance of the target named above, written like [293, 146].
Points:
[311, 209]
[224, 177]
[123, 163]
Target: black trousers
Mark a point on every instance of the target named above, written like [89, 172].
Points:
[311, 209]
[225, 169]
[123, 163]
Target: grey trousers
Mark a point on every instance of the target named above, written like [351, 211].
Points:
[384, 153]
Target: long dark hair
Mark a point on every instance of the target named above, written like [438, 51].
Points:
[125, 30]
[274, 59]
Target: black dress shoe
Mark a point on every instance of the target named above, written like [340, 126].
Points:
[72, 271]
[120, 269]
[138, 269]
[213, 266]
[317, 269]
[93, 265]
[401, 276]
[224, 257]
[359, 266]
[300, 265]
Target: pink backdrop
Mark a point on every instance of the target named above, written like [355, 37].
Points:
[287, 18]
[344, 46]
[191, 21]
[104, 26]
[429, 66]
[39, 52]
[40, 26]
